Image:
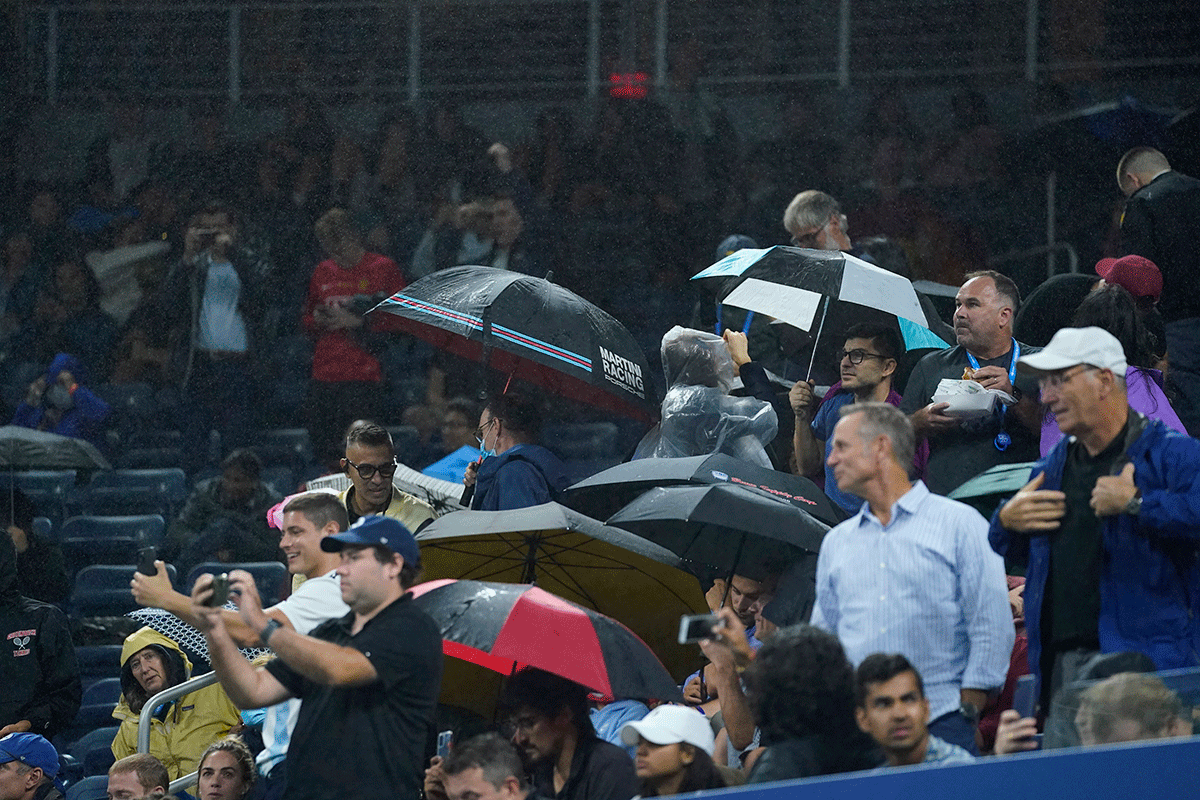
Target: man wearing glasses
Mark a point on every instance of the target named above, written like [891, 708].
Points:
[1107, 527]
[815, 220]
[370, 463]
[867, 364]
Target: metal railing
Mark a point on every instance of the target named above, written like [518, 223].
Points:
[569, 48]
[166, 696]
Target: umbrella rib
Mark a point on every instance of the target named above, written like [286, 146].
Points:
[615, 565]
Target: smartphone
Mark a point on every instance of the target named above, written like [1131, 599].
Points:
[1025, 696]
[220, 593]
[146, 558]
[694, 627]
[1025, 701]
[444, 743]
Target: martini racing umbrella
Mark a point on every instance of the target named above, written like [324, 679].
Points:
[506, 626]
[606, 569]
[530, 329]
[817, 289]
[605, 493]
[722, 527]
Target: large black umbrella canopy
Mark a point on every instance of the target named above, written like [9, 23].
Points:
[607, 569]
[606, 492]
[504, 626]
[722, 528]
[530, 329]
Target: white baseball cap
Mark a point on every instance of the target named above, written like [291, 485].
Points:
[1071, 346]
[671, 725]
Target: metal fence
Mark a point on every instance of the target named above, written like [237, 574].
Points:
[569, 48]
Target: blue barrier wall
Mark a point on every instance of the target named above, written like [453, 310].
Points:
[1143, 771]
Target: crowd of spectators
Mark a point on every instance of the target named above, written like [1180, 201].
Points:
[195, 272]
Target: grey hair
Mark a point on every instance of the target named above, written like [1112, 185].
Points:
[882, 419]
[811, 209]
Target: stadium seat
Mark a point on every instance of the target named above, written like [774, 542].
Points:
[93, 787]
[169, 485]
[108, 540]
[102, 590]
[284, 447]
[97, 662]
[49, 490]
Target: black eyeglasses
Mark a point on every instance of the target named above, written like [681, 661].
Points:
[367, 471]
[482, 430]
[856, 356]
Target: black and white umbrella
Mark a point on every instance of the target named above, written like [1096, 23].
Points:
[810, 288]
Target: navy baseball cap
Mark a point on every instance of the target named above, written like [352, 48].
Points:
[32, 750]
[376, 529]
[731, 244]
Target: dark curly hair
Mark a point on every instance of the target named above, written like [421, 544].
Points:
[801, 684]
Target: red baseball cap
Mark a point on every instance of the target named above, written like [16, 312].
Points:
[1139, 276]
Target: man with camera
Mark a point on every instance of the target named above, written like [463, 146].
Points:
[369, 681]
[208, 301]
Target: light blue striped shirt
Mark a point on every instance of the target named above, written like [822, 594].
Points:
[926, 585]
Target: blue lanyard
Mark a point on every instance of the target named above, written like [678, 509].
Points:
[1003, 440]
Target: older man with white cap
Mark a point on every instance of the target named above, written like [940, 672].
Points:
[1108, 526]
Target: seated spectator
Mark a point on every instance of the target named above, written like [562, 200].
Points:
[28, 768]
[225, 519]
[180, 730]
[698, 414]
[67, 318]
[226, 770]
[455, 440]
[801, 692]
[673, 745]
[39, 682]
[137, 776]
[549, 717]
[893, 710]
[41, 568]
[610, 716]
[516, 471]
[1127, 707]
[58, 402]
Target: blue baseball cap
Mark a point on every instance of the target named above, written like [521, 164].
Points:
[32, 750]
[376, 529]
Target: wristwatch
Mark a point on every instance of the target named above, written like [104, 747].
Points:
[264, 635]
[1134, 506]
[970, 711]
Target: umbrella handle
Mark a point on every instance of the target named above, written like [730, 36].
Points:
[817, 338]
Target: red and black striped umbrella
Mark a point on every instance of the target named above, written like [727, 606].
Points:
[505, 626]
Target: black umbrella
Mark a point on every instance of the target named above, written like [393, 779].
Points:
[503, 626]
[723, 527]
[985, 490]
[530, 329]
[26, 448]
[606, 492]
[608, 569]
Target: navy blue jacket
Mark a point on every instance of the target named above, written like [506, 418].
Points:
[523, 475]
[1150, 580]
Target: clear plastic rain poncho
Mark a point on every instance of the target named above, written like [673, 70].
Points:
[699, 416]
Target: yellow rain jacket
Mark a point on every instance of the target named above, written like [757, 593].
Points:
[182, 730]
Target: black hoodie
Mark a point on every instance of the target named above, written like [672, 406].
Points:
[39, 675]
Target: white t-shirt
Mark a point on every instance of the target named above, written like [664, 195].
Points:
[313, 602]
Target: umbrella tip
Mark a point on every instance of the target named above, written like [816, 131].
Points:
[550, 276]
